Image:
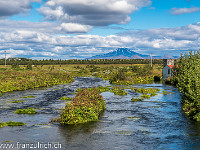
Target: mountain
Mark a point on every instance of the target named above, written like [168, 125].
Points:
[120, 53]
[125, 53]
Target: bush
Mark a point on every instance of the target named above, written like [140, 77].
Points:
[188, 78]
[65, 98]
[146, 91]
[118, 91]
[145, 96]
[86, 106]
[136, 99]
[29, 67]
[15, 66]
[117, 75]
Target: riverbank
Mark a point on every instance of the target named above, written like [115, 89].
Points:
[123, 125]
[21, 79]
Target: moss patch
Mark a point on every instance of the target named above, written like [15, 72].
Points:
[117, 91]
[26, 111]
[65, 98]
[145, 96]
[17, 101]
[11, 123]
[2, 124]
[136, 99]
[86, 106]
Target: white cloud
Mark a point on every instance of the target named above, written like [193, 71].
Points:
[46, 42]
[12, 7]
[179, 11]
[90, 12]
[75, 28]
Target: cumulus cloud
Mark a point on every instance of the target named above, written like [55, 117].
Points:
[75, 28]
[43, 27]
[179, 11]
[12, 7]
[90, 12]
[48, 43]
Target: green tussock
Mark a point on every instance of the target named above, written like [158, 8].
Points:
[26, 111]
[11, 123]
[118, 91]
[65, 98]
[136, 99]
[86, 106]
[145, 96]
[17, 101]
[166, 93]
[151, 91]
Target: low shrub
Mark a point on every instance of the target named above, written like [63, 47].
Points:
[65, 98]
[86, 106]
[136, 99]
[29, 67]
[145, 96]
[119, 75]
[118, 91]
[151, 91]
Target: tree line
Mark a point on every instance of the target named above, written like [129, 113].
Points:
[26, 61]
[188, 78]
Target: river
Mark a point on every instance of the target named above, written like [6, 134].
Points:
[155, 123]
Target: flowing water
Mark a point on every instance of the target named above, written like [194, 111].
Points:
[155, 123]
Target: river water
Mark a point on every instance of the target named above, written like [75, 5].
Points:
[155, 123]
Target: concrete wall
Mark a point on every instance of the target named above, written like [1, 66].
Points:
[166, 72]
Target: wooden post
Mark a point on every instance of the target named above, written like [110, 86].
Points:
[5, 58]
[151, 59]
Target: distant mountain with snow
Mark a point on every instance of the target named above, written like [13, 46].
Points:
[125, 53]
[120, 53]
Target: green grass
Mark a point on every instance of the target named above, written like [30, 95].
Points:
[26, 111]
[152, 91]
[85, 107]
[19, 80]
[2, 124]
[136, 99]
[118, 91]
[65, 98]
[11, 123]
[145, 96]
[17, 101]
[166, 93]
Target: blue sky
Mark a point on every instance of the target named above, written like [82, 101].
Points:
[61, 29]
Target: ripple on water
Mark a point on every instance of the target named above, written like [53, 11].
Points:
[155, 123]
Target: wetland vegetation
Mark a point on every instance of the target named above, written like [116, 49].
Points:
[22, 77]
[188, 82]
[26, 111]
[86, 106]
